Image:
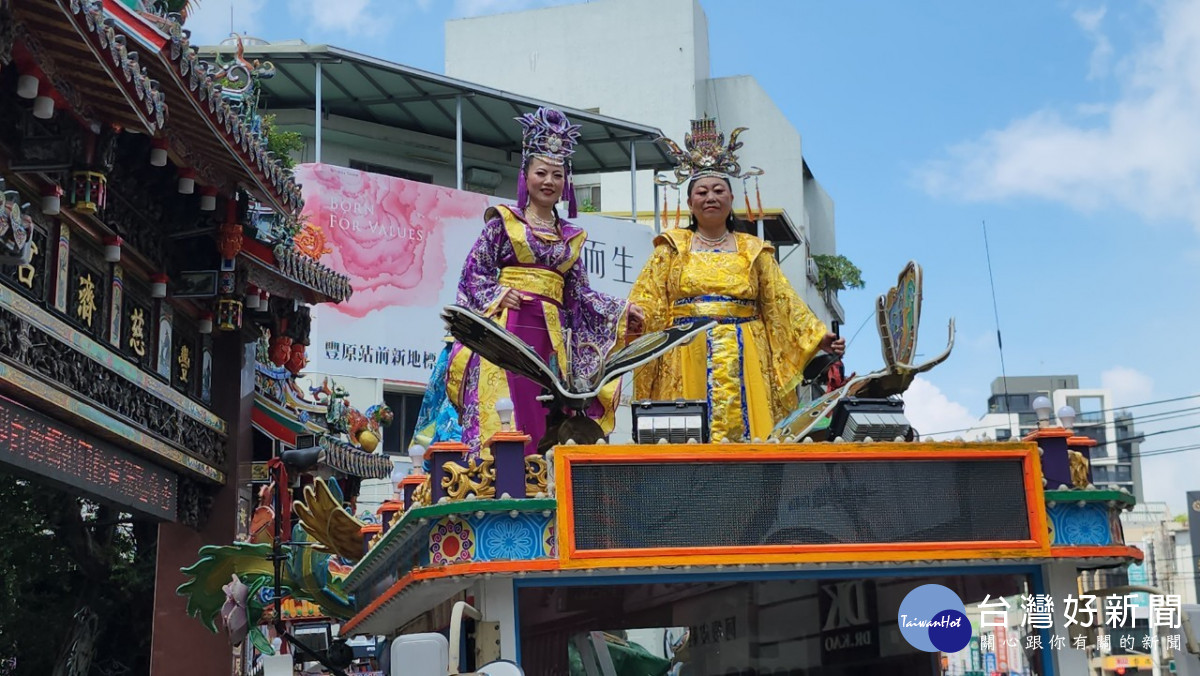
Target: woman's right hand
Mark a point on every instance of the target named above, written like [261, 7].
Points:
[512, 299]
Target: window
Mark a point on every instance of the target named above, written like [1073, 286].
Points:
[1088, 409]
[405, 407]
[391, 171]
[1101, 474]
[588, 197]
[1124, 473]
[1018, 402]
[1096, 432]
[1003, 434]
[1124, 452]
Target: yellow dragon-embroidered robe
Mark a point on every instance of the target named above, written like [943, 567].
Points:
[748, 366]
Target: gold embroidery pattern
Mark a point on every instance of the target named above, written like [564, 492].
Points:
[533, 280]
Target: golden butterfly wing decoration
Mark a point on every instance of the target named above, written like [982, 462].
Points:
[327, 522]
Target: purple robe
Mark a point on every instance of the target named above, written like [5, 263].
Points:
[509, 254]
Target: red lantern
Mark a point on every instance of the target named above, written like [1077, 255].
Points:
[298, 360]
[229, 240]
[281, 350]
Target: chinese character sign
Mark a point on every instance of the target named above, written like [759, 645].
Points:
[403, 243]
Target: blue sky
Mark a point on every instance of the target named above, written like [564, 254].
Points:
[1071, 128]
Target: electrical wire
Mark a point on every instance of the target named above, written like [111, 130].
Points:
[996, 312]
[1103, 410]
[860, 328]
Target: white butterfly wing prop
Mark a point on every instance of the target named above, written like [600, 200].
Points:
[499, 346]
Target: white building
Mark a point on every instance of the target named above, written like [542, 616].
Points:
[649, 62]
[1167, 547]
[1115, 458]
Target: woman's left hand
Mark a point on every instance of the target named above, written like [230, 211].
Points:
[833, 344]
[637, 318]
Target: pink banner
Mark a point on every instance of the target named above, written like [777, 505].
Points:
[403, 244]
[386, 233]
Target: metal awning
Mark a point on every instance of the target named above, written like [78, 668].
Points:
[361, 87]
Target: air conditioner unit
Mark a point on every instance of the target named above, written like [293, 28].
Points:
[484, 178]
[814, 274]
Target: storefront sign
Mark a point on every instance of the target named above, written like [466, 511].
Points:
[849, 621]
[48, 448]
[1114, 662]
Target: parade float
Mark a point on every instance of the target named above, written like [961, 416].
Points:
[789, 554]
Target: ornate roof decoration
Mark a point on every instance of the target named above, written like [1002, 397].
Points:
[226, 90]
[238, 112]
[124, 61]
[303, 269]
[350, 460]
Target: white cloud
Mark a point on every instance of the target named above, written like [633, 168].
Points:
[930, 411]
[1141, 152]
[354, 18]
[1102, 51]
[1167, 478]
[1128, 386]
[210, 21]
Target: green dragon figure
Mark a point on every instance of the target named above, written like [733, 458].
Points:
[238, 580]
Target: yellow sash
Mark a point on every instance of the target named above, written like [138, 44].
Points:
[540, 281]
[731, 309]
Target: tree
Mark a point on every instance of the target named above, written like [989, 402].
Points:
[282, 143]
[62, 554]
[837, 273]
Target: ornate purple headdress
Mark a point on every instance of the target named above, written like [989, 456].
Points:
[549, 136]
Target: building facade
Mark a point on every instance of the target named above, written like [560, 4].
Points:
[1115, 458]
[140, 213]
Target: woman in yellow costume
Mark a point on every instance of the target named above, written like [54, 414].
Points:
[748, 366]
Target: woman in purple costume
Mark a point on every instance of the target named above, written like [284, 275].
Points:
[525, 272]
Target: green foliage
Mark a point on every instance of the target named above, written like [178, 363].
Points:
[586, 206]
[282, 143]
[1181, 518]
[62, 553]
[837, 273]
